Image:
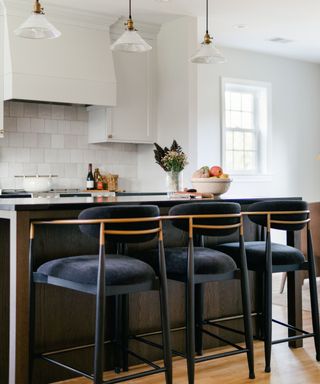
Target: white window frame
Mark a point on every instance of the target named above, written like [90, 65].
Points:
[263, 135]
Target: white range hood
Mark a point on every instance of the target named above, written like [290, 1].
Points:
[75, 68]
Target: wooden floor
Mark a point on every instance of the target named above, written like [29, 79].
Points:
[289, 366]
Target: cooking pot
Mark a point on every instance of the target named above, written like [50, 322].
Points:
[37, 183]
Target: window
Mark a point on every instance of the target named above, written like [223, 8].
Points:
[245, 126]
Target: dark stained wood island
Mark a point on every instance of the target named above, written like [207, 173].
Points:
[75, 311]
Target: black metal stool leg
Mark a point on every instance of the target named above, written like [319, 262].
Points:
[268, 305]
[31, 316]
[260, 305]
[199, 302]
[117, 333]
[190, 320]
[100, 318]
[125, 332]
[246, 305]
[164, 308]
[313, 295]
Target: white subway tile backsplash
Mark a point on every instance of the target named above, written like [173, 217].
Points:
[89, 156]
[64, 127]
[70, 141]
[10, 124]
[63, 156]
[76, 156]
[45, 111]
[37, 155]
[82, 170]
[58, 112]
[57, 141]
[58, 169]
[8, 154]
[51, 126]
[16, 109]
[44, 169]
[4, 141]
[30, 140]
[31, 110]
[79, 128]
[4, 169]
[6, 109]
[51, 155]
[82, 142]
[53, 139]
[44, 140]
[70, 112]
[30, 169]
[23, 124]
[15, 139]
[16, 169]
[23, 155]
[71, 170]
[37, 125]
[82, 114]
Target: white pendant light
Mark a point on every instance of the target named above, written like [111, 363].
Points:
[37, 26]
[130, 40]
[208, 53]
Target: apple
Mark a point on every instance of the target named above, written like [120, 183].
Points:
[216, 171]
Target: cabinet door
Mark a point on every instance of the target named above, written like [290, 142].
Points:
[1, 78]
[132, 120]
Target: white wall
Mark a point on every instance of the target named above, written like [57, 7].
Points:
[296, 121]
[53, 139]
[189, 111]
[177, 101]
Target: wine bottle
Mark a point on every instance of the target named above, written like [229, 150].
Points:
[90, 179]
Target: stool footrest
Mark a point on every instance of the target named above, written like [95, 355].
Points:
[68, 367]
[215, 324]
[290, 327]
[156, 345]
[298, 337]
[135, 376]
[219, 355]
[236, 346]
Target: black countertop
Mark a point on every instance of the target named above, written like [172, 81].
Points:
[78, 203]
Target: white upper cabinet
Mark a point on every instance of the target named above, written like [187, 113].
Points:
[76, 68]
[1, 74]
[132, 120]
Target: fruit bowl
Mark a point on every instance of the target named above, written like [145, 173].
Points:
[216, 186]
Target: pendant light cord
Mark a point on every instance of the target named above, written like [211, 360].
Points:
[207, 16]
[130, 10]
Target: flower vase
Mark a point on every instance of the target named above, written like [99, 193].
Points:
[174, 182]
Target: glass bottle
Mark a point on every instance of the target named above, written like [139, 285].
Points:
[90, 179]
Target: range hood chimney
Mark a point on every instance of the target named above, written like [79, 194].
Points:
[76, 68]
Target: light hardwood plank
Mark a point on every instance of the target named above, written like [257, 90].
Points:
[293, 366]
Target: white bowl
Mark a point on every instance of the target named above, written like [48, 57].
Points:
[37, 183]
[215, 186]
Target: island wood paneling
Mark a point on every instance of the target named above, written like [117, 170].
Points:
[65, 318]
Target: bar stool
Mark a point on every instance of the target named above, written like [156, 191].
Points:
[267, 258]
[194, 266]
[106, 275]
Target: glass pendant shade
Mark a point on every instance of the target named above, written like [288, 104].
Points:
[37, 27]
[208, 54]
[130, 41]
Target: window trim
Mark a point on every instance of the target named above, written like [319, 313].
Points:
[264, 151]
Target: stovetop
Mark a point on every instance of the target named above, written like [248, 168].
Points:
[55, 193]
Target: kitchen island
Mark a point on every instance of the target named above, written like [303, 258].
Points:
[54, 304]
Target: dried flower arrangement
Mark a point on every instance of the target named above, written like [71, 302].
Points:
[170, 159]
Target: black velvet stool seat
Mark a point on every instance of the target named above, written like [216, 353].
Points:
[102, 275]
[196, 265]
[266, 258]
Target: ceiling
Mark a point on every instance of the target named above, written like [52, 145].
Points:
[296, 20]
